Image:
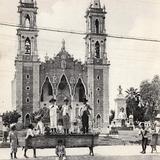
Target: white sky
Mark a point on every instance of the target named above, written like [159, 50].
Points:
[131, 61]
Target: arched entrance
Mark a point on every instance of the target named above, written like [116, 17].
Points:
[47, 90]
[27, 120]
[79, 91]
[63, 90]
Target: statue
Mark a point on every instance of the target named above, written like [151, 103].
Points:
[120, 89]
[122, 116]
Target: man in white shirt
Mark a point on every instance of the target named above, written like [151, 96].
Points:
[84, 113]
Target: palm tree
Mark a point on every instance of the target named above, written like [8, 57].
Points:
[132, 101]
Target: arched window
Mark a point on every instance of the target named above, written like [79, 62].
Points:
[80, 91]
[27, 119]
[27, 21]
[97, 49]
[46, 90]
[27, 46]
[27, 100]
[97, 25]
[98, 119]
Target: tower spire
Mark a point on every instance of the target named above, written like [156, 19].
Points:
[96, 4]
[63, 45]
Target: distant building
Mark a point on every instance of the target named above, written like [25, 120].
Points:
[62, 76]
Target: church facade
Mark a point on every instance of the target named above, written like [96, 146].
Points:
[62, 76]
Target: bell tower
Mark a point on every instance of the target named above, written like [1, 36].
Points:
[27, 61]
[97, 62]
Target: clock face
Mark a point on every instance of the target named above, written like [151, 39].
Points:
[63, 57]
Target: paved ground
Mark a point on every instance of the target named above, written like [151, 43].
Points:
[101, 153]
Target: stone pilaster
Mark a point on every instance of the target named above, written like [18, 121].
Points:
[91, 87]
[36, 87]
[105, 96]
[19, 87]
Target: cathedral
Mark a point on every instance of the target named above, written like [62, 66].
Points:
[62, 76]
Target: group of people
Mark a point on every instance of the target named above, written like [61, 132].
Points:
[56, 126]
[65, 121]
[154, 130]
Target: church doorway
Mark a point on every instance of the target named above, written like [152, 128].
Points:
[47, 90]
[79, 91]
[27, 120]
[63, 91]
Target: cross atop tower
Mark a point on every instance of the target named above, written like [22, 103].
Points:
[63, 45]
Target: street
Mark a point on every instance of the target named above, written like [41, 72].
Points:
[131, 152]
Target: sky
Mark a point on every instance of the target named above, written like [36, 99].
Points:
[131, 61]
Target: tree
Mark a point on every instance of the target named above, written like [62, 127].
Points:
[10, 117]
[150, 95]
[132, 101]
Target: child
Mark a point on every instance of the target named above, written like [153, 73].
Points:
[40, 126]
[13, 141]
[47, 130]
[60, 150]
[30, 134]
[76, 127]
[60, 126]
[143, 132]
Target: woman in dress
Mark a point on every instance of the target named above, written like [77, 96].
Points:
[53, 108]
[13, 137]
[154, 138]
[66, 112]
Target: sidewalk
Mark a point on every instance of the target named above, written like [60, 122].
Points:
[101, 153]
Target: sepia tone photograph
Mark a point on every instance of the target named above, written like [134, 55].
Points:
[79, 80]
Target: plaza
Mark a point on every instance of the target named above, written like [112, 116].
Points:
[120, 152]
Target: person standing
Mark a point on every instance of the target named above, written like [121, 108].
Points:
[66, 112]
[154, 138]
[29, 135]
[53, 108]
[84, 113]
[13, 137]
[144, 133]
[40, 126]
[5, 132]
